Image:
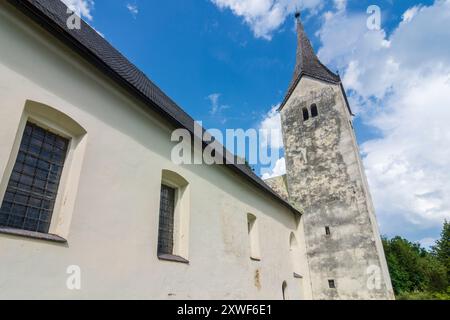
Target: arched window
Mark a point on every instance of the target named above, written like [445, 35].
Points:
[173, 230]
[305, 114]
[33, 187]
[295, 255]
[293, 242]
[253, 233]
[314, 110]
[296, 263]
[38, 195]
[284, 290]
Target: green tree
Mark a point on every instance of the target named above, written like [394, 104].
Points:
[442, 248]
[435, 274]
[404, 258]
[417, 273]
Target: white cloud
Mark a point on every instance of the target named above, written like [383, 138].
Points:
[81, 7]
[216, 109]
[408, 167]
[340, 5]
[410, 14]
[214, 99]
[278, 170]
[271, 138]
[401, 85]
[270, 129]
[266, 16]
[133, 8]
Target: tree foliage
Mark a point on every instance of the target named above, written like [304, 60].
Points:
[417, 273]
[442, 248]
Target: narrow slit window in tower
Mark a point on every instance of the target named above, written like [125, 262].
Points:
[305, 114]
[314, 111]
[332, 284]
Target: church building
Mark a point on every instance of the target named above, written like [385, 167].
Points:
[92, 207]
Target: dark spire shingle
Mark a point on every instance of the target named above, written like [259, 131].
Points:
[307, 63]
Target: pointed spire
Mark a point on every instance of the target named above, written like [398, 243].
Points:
[307, 62]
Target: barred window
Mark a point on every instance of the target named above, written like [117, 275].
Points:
[166, 220]
[32, 189]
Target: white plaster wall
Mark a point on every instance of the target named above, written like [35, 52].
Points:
[113, 231]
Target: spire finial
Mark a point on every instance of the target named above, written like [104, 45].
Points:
[297, 15]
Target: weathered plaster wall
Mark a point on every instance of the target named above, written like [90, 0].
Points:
[113, 231]
[279, 184]
[325, 177]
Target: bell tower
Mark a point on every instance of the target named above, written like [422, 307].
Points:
[325, 177]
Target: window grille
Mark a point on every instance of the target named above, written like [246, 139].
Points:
[166, 220]
[32, 189]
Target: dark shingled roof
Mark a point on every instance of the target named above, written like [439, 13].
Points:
[307, 63]
[52, 15]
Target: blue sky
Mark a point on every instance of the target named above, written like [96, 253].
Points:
[192, 50]
[229, 62]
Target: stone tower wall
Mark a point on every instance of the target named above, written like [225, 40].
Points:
[325, 176]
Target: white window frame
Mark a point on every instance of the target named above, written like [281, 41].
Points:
[181, 215]
[61, 124]
[253, 234]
